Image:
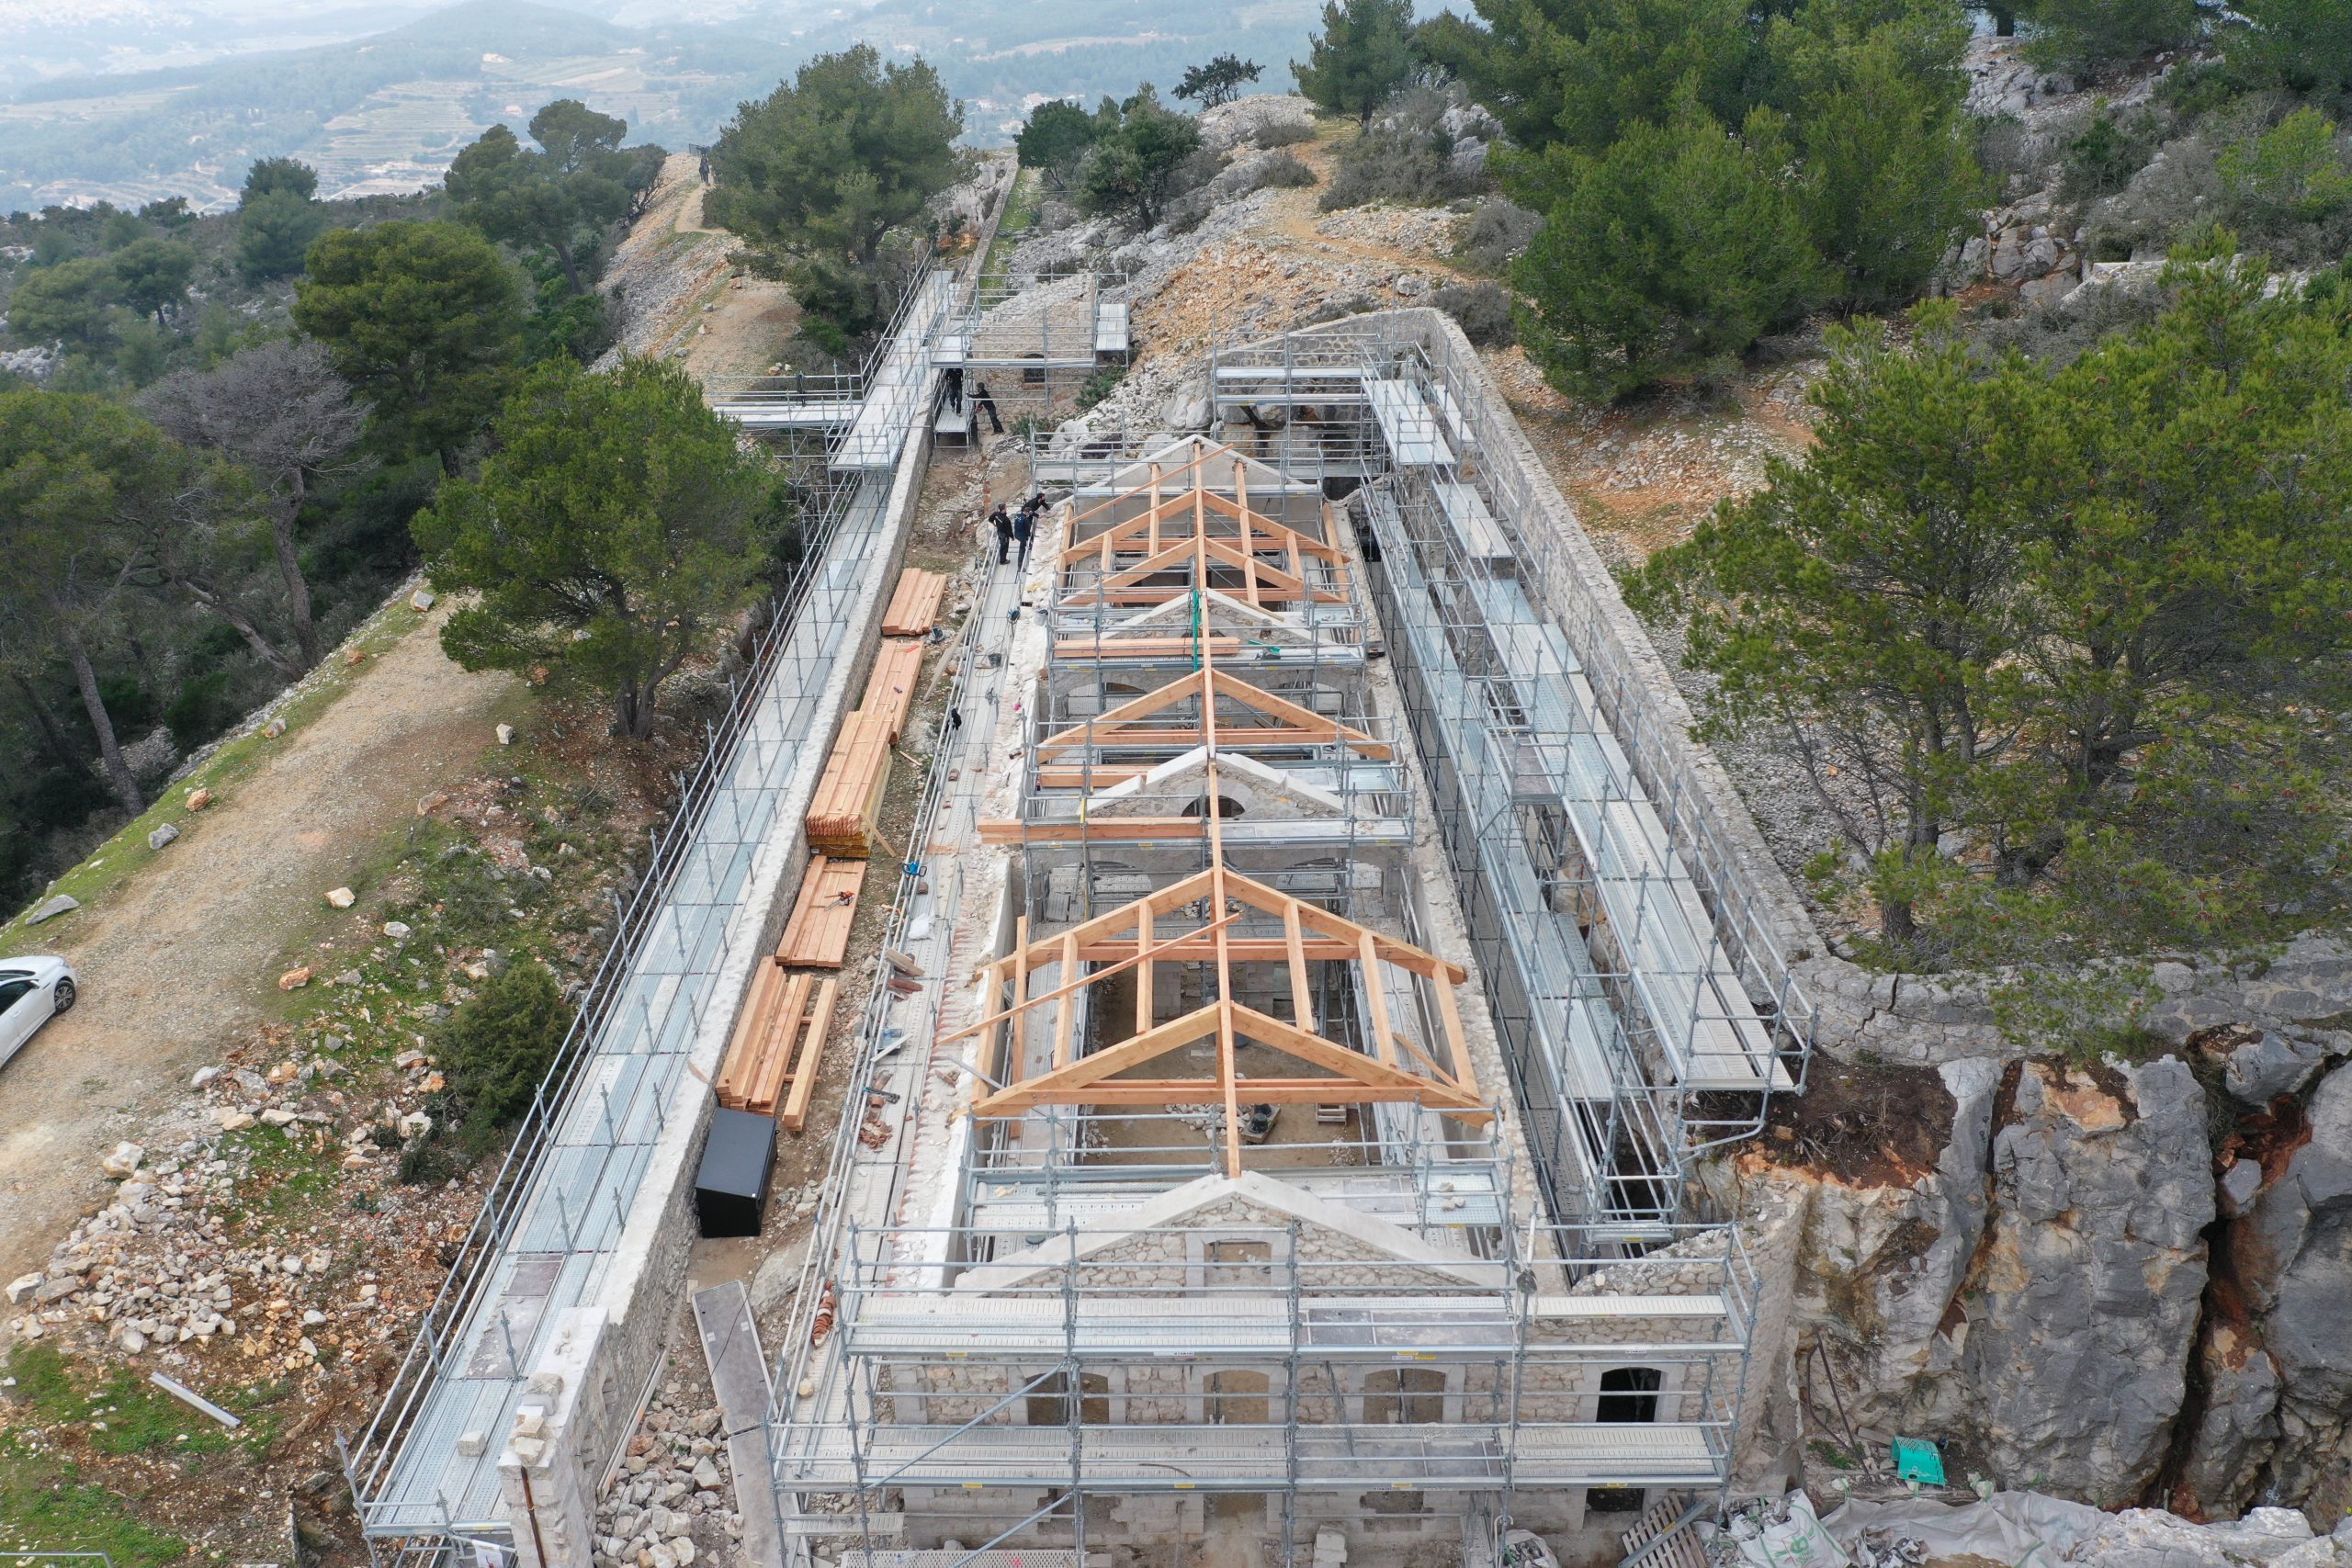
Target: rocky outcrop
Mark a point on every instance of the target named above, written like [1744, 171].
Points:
[2290, 1260]
[2302, 995]
[2085, 1296]
[1247, 122]
[2115, 1283]
[1880, 1265]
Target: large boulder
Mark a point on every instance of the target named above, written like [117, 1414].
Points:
[2085, 1296]
[1245, 122]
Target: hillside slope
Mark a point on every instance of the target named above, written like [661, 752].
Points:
[182, 955]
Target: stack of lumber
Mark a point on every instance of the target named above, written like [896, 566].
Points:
[914, 607]
[890, 689]
[848, 803]
[818, 933]
[770, 1066]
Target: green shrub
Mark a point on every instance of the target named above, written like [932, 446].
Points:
[1496, 229]
[2096, 32]
[2304, 46]
[2294, 170]
[1285, 171]
[1483, 310]
[2110, 148]
[1664, 258]
[1101, 385]
[497, 1047]
[1404, 157]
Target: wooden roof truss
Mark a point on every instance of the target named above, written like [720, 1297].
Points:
[1213, 540]
[1284, 723]
[1397, 1069]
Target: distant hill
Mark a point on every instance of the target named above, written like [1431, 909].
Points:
[386, 112]
[375, 114]
[1004, 58]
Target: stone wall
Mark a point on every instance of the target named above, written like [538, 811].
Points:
[2301, 997]
[643, 1279]
[1695, 1386]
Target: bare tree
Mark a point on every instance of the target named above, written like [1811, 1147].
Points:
[280, 411]
[172, 540]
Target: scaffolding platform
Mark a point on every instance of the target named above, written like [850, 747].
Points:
[1274, 1458]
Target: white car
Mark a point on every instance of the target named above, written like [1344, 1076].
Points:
[32, 991]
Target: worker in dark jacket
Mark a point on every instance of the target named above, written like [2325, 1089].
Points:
[1003, 526]
[1024, 525]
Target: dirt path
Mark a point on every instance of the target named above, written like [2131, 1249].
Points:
[181, 958]
[684, 299]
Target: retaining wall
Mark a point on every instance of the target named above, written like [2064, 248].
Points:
[589, 1383]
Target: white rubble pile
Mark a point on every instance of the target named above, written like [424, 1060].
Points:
[2023, 1530]
[674, 1502]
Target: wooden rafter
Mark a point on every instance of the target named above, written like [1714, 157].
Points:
[1147, 533]
[1398, 1071]
[1297, 726]
[1172, 532]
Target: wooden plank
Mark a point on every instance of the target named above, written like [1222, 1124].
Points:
[848, 800]
[890, 689]
[914, 606]
[1377, 994]
[818, 933]
[1194, 948]
[1101, 830]
[742, 1048]
[1122, 647]
[1066, 1011]
[795, 1114]
[1252, 1092]
[775, 1053]
[1302, 1007]
[1457, 1045]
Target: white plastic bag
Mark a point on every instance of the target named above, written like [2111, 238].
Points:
[1797, 1541]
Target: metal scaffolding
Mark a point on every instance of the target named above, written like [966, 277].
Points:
[1062, 1333]
[556, 1210]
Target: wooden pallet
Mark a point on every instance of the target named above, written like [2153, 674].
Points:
[778, 1044]
[914, 607]
[1659, 1533]
[818, 933]
[843, 813]
[890, 689]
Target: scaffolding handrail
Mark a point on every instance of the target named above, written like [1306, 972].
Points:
[636, 919]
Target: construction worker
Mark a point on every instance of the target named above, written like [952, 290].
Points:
[1003, 526]
[1024, 525]
[982, 403]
